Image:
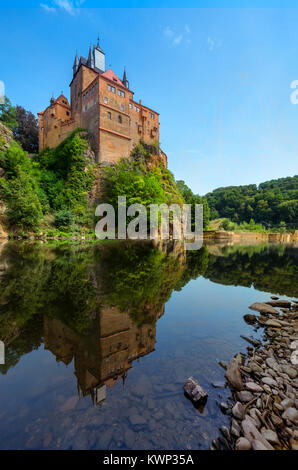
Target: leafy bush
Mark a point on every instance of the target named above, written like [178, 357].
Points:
[63, 218]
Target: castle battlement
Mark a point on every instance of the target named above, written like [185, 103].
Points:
[104, 105]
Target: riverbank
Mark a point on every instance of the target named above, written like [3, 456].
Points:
[263, 407]
[221, 236]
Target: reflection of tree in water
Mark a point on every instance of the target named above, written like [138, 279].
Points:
[97, 305]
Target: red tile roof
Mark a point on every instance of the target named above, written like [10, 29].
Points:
[110, 75]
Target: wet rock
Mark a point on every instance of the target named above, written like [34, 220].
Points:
[225, 432]
[273, 364]
[252, 341]
[294, 344]
[219, 384]
[245, 396]
[136, 419]
[238, 410]
[223, 364]
[194, 391]
[255, 414]
[279, 303]
[273, 323]
[290, 371]
[242, 444]
[233, 374]
[250, 318]
[263, 308]
[235, 428]
[253, 387]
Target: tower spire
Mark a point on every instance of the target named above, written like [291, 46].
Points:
[90, 61]
[76, 63]
[124, 80]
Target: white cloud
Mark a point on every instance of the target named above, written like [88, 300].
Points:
[177, 40]
[69, 6]
[168, 32]
[213, 43]
[48, 9]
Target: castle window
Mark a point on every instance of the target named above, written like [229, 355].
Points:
[137, 109]
[121, 93]
[67, 112]
[122, 107]
[111, 88]
[130, 105]
[109, 115]
[120, 119]
[106, 100]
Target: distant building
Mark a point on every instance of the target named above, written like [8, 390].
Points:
[104, 105]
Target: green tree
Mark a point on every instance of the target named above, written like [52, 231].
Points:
[8, 114]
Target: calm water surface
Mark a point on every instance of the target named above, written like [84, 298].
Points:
[100, 339]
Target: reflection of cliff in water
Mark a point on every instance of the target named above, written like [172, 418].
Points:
[96, 306]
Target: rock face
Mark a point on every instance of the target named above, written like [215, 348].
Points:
[233, 374]
[194, 391]
[6, 136]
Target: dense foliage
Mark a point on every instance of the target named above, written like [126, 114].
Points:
[191, 198]
[8, 114]
[140, 181]
[56, 181]
[270, 203]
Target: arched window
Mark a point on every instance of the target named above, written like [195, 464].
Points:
[119, 119]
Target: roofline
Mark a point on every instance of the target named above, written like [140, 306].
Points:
[143, 106]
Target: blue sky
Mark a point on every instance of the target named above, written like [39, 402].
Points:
[220, 78]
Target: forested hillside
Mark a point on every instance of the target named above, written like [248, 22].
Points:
[270, 203]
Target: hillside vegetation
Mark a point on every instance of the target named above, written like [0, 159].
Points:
[272, 204]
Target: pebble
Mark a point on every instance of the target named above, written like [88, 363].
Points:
[245, 396]
[270, 436]
[269, 381]
[291, 414]
[238, 410]
[253, 387]
[242, 444]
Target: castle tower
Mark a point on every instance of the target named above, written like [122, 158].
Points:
[124, 80]
[99, 58]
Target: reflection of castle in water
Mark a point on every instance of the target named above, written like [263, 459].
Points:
[103, 357]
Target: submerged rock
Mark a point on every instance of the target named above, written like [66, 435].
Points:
[194, 391]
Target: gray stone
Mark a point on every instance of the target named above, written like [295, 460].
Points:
[269, 381]
[270, 436]
[263, 308]
[245, 396]
[218, 384]
[242, 444]
[194, 391]
[257, 445]
[287, 403]
[238, 410]
[235, 428]
[290, 371]
[233, 374]
[253, 387]
[291, 414]
[251, 432]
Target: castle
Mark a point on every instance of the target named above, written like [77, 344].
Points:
[104, 105]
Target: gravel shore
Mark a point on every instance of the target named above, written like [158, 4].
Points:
[263, 407]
